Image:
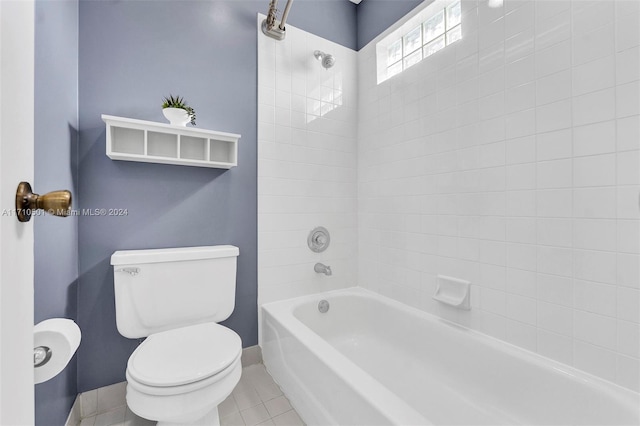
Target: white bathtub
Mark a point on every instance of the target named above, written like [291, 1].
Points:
[370, 360]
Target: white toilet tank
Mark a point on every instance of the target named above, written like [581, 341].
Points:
[162, 289]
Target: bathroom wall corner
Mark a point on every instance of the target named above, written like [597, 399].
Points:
[251, 355]
[75, 415]
[56, 150]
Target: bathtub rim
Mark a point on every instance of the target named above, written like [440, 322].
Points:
[285, 309]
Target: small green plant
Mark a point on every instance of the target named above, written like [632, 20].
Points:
[179, 102]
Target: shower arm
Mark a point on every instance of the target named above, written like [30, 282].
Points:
[268, 24]
[285, 14]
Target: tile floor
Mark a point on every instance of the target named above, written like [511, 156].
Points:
[257, 400]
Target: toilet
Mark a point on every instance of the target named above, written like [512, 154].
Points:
[175, 297]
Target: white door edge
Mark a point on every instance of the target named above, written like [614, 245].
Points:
[17, 23]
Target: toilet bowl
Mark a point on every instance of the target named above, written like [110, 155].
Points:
[189, 363]
[180, 376]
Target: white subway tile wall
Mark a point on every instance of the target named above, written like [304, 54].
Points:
[307, 167]
[511, 159]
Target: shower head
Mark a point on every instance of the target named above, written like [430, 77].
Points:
[326, 59]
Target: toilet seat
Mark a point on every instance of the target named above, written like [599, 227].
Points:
[186, 388]
[183, 357]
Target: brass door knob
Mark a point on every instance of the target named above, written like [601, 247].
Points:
[57, 203]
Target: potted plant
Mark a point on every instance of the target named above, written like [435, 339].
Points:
[176, 110]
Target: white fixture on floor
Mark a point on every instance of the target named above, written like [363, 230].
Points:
[189, 364]
[442, 373]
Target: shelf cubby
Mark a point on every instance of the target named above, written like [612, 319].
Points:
[193, 148]
[150, 142]
[128, 141]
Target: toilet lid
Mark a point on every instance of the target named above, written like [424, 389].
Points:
[184, 355]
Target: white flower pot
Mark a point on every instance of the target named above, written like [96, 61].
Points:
[176, 116]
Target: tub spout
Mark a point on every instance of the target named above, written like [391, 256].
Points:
[322, 269]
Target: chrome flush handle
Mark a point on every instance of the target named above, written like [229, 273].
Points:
[130, 271]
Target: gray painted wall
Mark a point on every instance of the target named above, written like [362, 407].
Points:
[375, 16]
[131, 54]
[56, 147]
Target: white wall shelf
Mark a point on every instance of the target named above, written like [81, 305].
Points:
[150, 142]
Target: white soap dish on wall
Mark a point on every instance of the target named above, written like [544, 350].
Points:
[453, 292]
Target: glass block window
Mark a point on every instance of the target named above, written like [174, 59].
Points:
[439, 30]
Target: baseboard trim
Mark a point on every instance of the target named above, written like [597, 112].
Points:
[251, 355]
